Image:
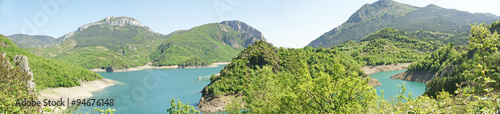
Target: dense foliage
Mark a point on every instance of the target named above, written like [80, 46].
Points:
[388, 46]
[463, 64]
[321, 80]
[387, 13]
[294, 80]
[235, 76]
[180, 108]
[48, 72]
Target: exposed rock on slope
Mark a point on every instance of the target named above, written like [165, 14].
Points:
[110, 21]
[417, 76]
[250, 34]
[22, 62]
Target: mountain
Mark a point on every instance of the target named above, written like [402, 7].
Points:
[215, 42]
[123, 42]
[113, 41]
[47, 72]
[387, 13]
[31, 41]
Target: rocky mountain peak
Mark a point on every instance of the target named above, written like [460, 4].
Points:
[110, 21]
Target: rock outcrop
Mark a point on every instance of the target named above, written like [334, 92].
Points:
[22, 62]
[250, 34]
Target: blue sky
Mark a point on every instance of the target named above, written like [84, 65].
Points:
[284, 23]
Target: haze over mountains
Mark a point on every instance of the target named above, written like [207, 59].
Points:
[31, 41]
[387, 13]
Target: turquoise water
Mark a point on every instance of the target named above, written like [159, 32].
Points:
[390, 86]
[150, 91]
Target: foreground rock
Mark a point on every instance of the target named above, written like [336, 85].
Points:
[373, 82]
[417, 76]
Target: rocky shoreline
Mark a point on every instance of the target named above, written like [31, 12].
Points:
[149, 66]
[417, 76]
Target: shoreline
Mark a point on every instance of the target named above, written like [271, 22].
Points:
[83, 91]
[149, 67]
[382, 68]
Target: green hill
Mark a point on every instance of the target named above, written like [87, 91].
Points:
[49, 72]
[387, 13]
[31, 41]
[388, 46]
[215, 42]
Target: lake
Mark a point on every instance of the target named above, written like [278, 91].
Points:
[150, 91]
[390, 86]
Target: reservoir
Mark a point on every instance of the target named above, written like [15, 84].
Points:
[390, 86]
[150, 91]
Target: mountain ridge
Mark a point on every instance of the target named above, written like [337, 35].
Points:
[388, 13]
[124, 42]
[31, 41]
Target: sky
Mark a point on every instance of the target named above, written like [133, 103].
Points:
[285, 23]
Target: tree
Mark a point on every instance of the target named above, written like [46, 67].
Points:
[179, 108]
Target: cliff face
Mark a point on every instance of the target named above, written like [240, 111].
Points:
[249, 33]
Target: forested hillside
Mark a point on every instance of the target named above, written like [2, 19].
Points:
[202, 45]
[464, 65]
[388, 46]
